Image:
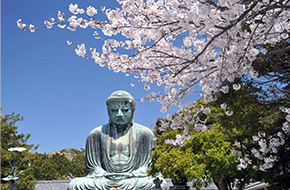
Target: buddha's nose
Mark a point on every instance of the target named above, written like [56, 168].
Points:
[120, 114]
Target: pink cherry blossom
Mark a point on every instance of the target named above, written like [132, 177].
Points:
[81, 50]
[91, 11]
[73, 8]
[229, 113]
[180, 44]
[236, 86]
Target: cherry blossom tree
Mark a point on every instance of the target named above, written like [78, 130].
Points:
[181, 43]
[253, 134]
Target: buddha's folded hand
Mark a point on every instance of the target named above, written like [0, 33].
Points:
[118, 175]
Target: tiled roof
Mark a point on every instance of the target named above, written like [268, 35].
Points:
[52, 185]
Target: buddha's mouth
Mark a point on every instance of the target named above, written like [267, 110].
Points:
[120, 121]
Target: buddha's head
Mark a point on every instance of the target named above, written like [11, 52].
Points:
[121, 107]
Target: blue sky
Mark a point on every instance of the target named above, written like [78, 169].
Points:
[61, 96]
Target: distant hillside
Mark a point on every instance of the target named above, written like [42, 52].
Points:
[69, 153]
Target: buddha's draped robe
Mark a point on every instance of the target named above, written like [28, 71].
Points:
[98, 161]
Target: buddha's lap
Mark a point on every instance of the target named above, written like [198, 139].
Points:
[105, 183]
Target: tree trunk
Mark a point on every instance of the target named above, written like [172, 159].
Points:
[222, 184]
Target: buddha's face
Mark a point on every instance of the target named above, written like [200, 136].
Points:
[120, 112]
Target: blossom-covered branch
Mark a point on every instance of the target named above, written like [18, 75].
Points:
[179, 44]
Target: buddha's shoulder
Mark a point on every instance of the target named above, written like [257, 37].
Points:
[142, 128]
[99, 130]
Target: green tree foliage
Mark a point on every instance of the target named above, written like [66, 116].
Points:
[57, 166]
[274, 74]
[213, 154]
[43, 166]
[78, 167]
[245, 122]
[279, 175]
[9, 139]
[274, 68]
[206, 155]
[254, 112]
